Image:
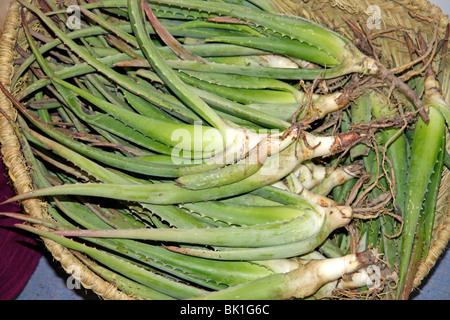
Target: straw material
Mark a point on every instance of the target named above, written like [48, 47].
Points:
[404, 15]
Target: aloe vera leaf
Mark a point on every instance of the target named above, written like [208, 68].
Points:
[110, 176]
[243, 82]
[112, 97]
[424, 231]
[214, 275]
[264, 72]
[39, 173]
[440, 104]
[244, 123]
[372, 237]
[103, 52]
[99, 172]
[249, 199]
[425, 148]
[218, 273]
[239, 65]
[281, 111]
[262, 113]
[107, 123]
[241, 215]
[48, 46]
[268, 234]
[287, 47]
[100, 120]
[160, 284]
[203, 272]
[245, 96]
[160, 10]
[118, 218]
[331, 223]
[157, 129]
[219, 177]
[96, 83]
[360, 113]
[169, 103]
[108, 26]
[65, 203]
[336, 47]
[265, 253]
[298, 283]
[166, 73]
[330, 249]
[228, 26]
[144, 107]
[68, 72]
[431, 200]
[34, 220]
[220, 50]
[337, 177]
[267, 5]
[278, 195]
[421, 213]
[132, 288]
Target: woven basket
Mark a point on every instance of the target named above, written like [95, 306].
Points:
[406, 15]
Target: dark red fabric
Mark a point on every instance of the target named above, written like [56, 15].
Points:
[19, 251]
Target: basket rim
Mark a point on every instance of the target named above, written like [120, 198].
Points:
[21, 180]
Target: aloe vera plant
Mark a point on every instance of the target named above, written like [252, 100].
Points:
[211, 150]
[426, 146]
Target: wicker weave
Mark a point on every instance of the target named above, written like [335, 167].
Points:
[406, 15]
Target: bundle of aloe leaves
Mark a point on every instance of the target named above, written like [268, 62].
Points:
[223, 150]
